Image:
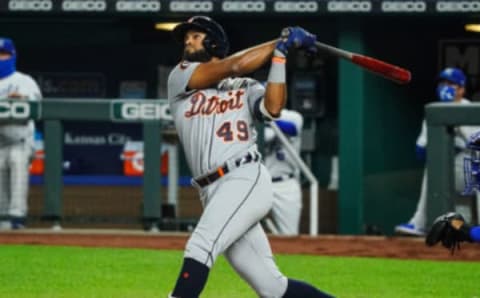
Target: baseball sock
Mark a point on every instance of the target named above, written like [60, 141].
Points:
[299, 289]
[192, 279]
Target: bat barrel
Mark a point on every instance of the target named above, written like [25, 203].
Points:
[389, 71]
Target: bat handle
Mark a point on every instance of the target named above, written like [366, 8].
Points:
[334, 51]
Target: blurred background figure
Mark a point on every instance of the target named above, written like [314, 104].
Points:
[16, 140]
[451, 89]
[287, 204]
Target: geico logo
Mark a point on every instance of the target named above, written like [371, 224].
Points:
[204, 6]
[362, 6]
[291, 6]
[36, 5]
[15, 110]
[145, 111]
[458, 6]
[253, 6]
[138, 6]
[408, 6]
[90, 5]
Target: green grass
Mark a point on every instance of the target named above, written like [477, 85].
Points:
[42, 271]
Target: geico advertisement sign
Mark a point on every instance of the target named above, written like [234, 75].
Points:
[14, 110]
[137, 111]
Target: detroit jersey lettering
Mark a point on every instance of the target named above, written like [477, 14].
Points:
[214, 124]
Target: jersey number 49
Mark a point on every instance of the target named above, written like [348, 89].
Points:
[228, 131]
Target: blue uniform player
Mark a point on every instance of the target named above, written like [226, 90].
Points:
[287, 191]
[450, 89]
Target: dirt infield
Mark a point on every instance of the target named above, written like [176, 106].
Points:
[325, 245]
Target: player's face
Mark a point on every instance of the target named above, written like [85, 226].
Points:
[459, 90]
[5, 55]
[193, 47]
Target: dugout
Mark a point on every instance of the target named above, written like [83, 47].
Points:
[369, 122]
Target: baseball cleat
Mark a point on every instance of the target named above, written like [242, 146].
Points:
[409, 229]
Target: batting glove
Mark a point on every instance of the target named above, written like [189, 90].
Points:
[296, 37]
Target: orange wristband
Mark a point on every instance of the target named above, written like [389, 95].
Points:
[276, 59]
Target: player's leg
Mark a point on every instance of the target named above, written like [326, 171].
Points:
[459, 172]
[419, 218]
[416, 225]
[252, 258]
[4, 189]
[19, 163]
[233, 205]
[287, 206]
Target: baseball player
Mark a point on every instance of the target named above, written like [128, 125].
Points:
[214, 110]
[451, 88]
[287, 204]
[16, 140]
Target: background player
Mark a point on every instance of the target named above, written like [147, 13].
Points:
[215, 124]
[451, 88]
[287, 204]
[16, 140]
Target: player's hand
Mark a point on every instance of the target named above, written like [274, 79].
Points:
[298, 38]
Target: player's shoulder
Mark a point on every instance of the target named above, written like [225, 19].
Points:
[23, 77]
[183, 68]
[184, 65]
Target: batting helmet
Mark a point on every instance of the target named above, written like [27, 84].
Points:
[216, 41]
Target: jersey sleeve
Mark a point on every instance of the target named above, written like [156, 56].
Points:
[32, 90]
[179, 78]
[292, 121]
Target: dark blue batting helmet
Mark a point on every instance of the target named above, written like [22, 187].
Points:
[215, 43]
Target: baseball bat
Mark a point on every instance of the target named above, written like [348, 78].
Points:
[387, 70]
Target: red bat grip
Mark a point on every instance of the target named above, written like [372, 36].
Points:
[389, 71]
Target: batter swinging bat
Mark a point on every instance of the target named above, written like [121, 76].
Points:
[389, 71]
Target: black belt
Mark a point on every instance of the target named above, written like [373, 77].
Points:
[221, 171]
[281, 178]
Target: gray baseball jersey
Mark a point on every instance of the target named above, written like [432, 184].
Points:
[215, 126]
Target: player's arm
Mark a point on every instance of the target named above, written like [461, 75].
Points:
[249, 60]
[243, 62]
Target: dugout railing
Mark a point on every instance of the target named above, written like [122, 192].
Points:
[152, 114]
[53, 112]
[441, 119]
